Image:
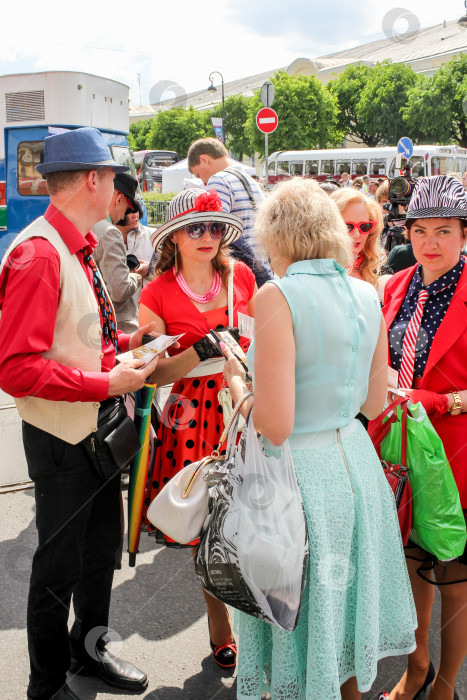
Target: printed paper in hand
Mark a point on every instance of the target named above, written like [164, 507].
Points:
[246, 326]
[148, 351]
[393, 378]
[230, 341]
[393, 381]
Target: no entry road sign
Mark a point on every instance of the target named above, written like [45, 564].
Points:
[267, 120]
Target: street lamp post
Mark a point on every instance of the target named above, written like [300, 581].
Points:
[212, 88]
[462, 22]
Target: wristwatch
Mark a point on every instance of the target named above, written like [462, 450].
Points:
[457, 406]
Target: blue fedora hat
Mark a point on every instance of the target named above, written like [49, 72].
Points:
[77, 149]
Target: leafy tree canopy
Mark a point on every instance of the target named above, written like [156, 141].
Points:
[138, 134]
[348, 88]
[236, 115]
[383, 100]
[175, 129]
[437, 106]
[372, 100]
[307, 115]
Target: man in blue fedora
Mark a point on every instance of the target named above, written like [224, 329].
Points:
[59, 365]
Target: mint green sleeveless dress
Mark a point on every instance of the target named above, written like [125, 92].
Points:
[357, 606]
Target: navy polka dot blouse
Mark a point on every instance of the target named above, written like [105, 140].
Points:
[440, 293]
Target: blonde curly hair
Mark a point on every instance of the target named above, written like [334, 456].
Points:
[298, 221]
[373, 253]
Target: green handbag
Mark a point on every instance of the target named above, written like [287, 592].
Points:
[438, 523]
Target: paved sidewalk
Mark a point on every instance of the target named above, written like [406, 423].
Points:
[158, 614]
[13, 468]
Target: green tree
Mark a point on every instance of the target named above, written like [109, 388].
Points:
[307, 115]
[383, 100]
[372, 100]
[175, 129]
[236, 115]
[138, 134]
[348, 88]
[438, 105]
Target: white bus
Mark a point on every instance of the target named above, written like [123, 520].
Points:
[375, 162]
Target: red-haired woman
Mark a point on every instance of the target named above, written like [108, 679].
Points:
[364, 222]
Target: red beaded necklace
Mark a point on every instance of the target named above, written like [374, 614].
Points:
[357, 261]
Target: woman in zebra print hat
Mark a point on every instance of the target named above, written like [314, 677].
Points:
[431, 359]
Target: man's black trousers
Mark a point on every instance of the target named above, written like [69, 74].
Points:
[79, 531]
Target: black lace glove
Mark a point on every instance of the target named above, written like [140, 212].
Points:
[205, 349]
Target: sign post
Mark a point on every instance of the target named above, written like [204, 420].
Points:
[404, 149]
[266, 121]
[267, 94]
[218, 125]
[266, 160]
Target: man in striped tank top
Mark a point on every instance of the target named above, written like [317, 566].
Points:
[209, 160]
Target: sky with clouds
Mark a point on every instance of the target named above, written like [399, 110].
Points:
[183, 41]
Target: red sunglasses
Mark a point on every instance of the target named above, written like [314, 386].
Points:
[363, 226]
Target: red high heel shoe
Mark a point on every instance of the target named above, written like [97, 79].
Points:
[225, 655]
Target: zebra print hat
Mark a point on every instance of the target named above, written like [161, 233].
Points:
[440, 196]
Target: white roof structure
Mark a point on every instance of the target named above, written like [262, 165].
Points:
[432, 45]
[204, 99]
[425, 51]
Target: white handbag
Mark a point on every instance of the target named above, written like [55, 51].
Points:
[181, 508]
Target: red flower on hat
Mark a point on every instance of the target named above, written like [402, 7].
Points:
[208, 201]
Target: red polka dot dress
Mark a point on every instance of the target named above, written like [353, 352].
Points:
[192, 420]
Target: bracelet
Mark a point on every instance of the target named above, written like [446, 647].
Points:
[457, 405]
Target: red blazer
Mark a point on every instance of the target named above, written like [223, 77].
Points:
[446, 367]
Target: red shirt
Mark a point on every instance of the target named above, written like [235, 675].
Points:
[29, 295]
[164, 297]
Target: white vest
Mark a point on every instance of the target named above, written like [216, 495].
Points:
[77, 341]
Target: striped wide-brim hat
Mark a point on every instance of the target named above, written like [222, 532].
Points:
[191, 206]
[440, 196]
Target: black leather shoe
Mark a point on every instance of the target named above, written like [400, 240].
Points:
[430, 677]
[116, 672]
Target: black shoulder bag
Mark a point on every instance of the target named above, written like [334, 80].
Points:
[115, 443]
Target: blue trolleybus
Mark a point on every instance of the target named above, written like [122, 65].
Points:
[35, 105]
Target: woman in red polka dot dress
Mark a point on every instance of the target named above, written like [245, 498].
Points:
[190, 296]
